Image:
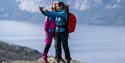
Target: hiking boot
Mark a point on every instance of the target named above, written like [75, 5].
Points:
[68, 61]
[57, 61]
[62, 60]
[44, 61]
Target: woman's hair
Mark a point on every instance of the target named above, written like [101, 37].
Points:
[64, 6]
[53, 6]
[61, 4]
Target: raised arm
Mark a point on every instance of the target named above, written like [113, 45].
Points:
[62, 14]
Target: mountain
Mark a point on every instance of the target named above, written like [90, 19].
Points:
[93, 12]
[105, 12]
[9, 10]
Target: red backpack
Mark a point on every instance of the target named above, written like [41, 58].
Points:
[71, 23]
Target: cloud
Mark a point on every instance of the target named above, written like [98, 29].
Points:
[31, 5]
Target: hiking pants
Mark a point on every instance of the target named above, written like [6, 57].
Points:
[48, 41]
[62, 38]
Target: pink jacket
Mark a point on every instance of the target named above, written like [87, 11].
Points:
[49, 24]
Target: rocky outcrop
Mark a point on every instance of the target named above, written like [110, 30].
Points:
[50, 60]
[15, 52]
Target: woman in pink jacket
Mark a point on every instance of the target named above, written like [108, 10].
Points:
[49, 28]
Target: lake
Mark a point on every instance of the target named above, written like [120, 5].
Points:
[89, 43]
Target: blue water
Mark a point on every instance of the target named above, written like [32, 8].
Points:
[89, 43]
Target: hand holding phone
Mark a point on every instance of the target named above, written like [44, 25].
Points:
[41, 8]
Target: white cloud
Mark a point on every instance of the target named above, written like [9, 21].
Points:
[31, 5]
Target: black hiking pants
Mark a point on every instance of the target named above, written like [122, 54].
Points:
[61, 38]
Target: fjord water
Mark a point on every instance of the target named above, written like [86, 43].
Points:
[89, 43]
